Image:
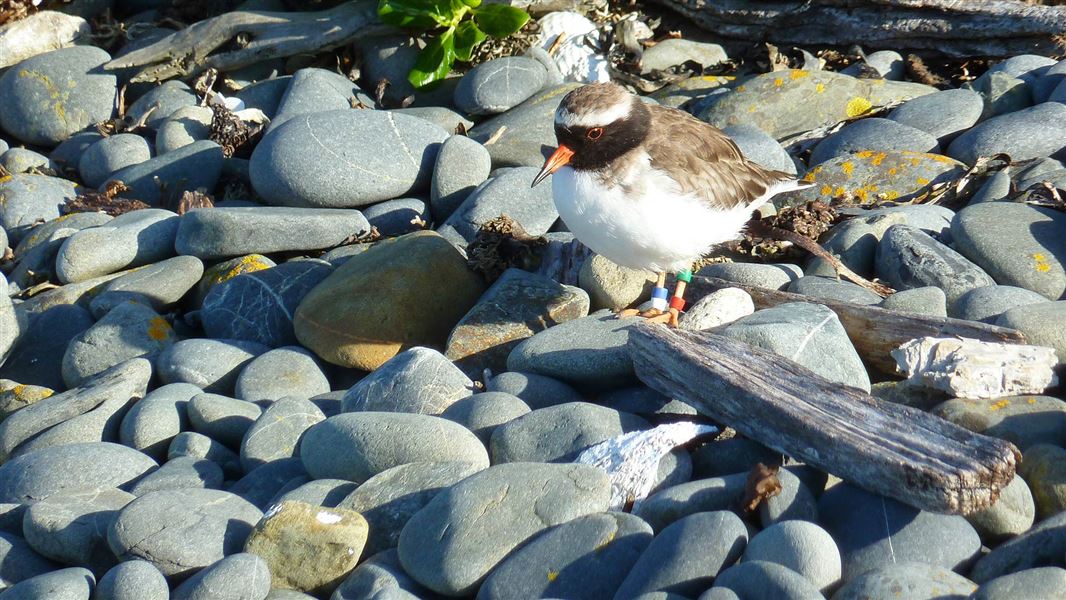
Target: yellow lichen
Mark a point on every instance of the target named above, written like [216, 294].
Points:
[826, 190]
[1004, 403]
[778, 82]
[552, 575]
[158, 329]
[54, 93]
[891, 195]
[864, 153]
[798, 74]
[878, 159]
[1030, 400]
[1040, 263]
[848, 167]
[857, 106]
[893, 171]
[739, 88]
[819, 88]
[922, 181]
[840, 191]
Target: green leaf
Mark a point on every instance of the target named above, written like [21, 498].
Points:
[409, 14]
[467, 37]
[472, 3]
[435, 61]
[500, 20]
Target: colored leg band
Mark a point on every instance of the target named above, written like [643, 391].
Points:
[685, 276]
[658, 298]
[677, 302]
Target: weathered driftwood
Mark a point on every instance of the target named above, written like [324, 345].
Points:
[874, 331]
[971, 369]
[953, 27]
[889, 449]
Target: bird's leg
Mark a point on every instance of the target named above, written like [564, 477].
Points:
[658, 301]
[677, 301]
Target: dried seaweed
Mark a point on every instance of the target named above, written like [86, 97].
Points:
[500, 244]
[809, 220]
[230, 132]
[15, 10]
[192, 200]
[107, 201]
[762, 484]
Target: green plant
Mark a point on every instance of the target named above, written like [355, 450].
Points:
[462, 25]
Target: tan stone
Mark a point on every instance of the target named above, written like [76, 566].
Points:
[309, 548]
[404, 292]
[613, 286]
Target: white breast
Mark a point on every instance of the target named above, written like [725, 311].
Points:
[654, 227]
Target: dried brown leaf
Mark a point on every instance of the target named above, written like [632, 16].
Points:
[762, 484]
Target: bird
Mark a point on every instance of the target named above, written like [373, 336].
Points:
[651, 187]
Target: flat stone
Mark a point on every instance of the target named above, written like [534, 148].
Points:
[559, 433]
[875, 134]
[509, 193]
[357, 446]
[453, 543]
[191, 167]
[311, 90]
[462, 165]
[873, 531]
[498, 85]
[211, 365]
[909, 258]
[389, 499]
[71, 527]
[74, 583]
[588, 352]
[226, 232]
[27, 199]
[1044, 469]
[381, 574]
[801, 546]
[182, 531]
[89, 413]
[613, 286]
[758, 146]
[870, 177]
[774, 277]
[37, 475]
[693, 91]
[419, 380]
[686, 556]
[516, 307]
[241, 575]
[199, 446]
[265, 94]
[944, 114]
[164, 283]
[1028, 133]
[129, 331]
[276, 433]
[180, 473]
[830, 288]
[183, 127]
[287, 371]
[264, 483]
[807, 333]
[761, 580]
[1041, 582]
[529, 137]
[702, 495]
[536, 391]
[131, 240]
[221, 418]
[426, 279]
[1012, 514]
[1043, 325]
[49, 97]
[794, 101]
[308, 548]
[1016, 244]
[587, 557]
[68, 153]
[926, 300]
[908, 580]
[133, 580]
[259, 306]
[42, 233]
[291, 167]
[112, 154]
[483, 413]
[1022, 420]
[390, 57]
[672, 52]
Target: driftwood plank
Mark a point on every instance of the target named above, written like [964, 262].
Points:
[874, 331]
[886, 448]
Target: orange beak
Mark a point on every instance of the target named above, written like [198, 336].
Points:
[558, 159]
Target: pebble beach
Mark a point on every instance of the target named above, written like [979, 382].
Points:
[286, 367]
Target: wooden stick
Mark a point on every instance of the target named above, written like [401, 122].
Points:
[874, 331]
[889, 449]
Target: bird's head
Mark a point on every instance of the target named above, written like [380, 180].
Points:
[594, 125]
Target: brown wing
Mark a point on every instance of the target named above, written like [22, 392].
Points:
[704, 161]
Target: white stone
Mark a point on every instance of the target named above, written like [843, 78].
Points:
[718, 308]
[576, 58]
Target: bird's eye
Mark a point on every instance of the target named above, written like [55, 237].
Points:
[595, 133]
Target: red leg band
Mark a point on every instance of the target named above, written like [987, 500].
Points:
[677, 302]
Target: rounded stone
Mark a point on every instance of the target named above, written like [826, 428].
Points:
[927, 300]
[419, 380]
[397, 217]
[483, 413]
[209, 364]
[943, 114]
[312, 90]
[197, 445]
[453, 543]
[1011, 515]
[462, 165]
[507, 192]
[613, 286]
[182, 531]
[163, 283]
[1044, 469]
[180, 473]
[761, 580]
[1033, 132]
[74, 583]
[184, 126]
[589, 352]
[133, 580]
[18, 561]
[907, 580]
[37, 475]
[873, 134]
[1041, 582]
[129, 331]
[381, 574]
[134, 239]
[287, 371]
[909, 258]
[26, 200]
[192, 167]
[241, 575]
[289, 167]
[221, 418]
[773, 277]
[21, 160]
[276, 433]
[558, 433]
[357, 446]
[536, 391]
[1043, 325]
[987, 303]
[758, 146]
[499, 85]
[801, 546]
[529, 133]
[71, 527]
[51, 96]
[1022, 420]
[110, 154]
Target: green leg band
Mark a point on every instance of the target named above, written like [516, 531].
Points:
[685, 276]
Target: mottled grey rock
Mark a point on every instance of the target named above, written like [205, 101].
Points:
[612, 286]
[397, 217]
[994, 189]
[37, 356]
[27, 199]
[93, 466]
[774, 277]
[529, 137]
[559, 433]
[1016, 244]
[111, 154]
[321, 492]
[21, 160]
[128, 331]
[258, 306]
[875, 134]
[587, 557]
[49, 97]
[686, 556]
[944, 114]
[133, 580]
[419, 380]
[537, 391]
[209, 364]
[313, 90]
[1001, 93]
[287, 371]
[483, 413]
[1044, 544]
[163, 101]
[197, 445]
[509, 193]
[357, 446]
[987, 303]
[462, 165]
[134, 239]
[276, 433]
[389, 57]
[180, 473]
[163, 283]
[928, 300]
[1012, 514]
[490, 513]
[71, 527]
[182, 531]
[873, 531]
[380, 576]
[758, 146]
[226, 232]
[1029, 133]
[908, 258]
[499, 85]
[761, 580]
[260, 485]
[673, 503]
[184, 126]
[907, 580]
[74, 583]
[190, 167]
[831, 288]
[291, 167]
[390, 498]
[809, 334]
[40, 234]
[241, 575]
[801, 546]
[1043, 325]
[221, 418]
[18, 561]
[1040, 582]
[673, 52]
